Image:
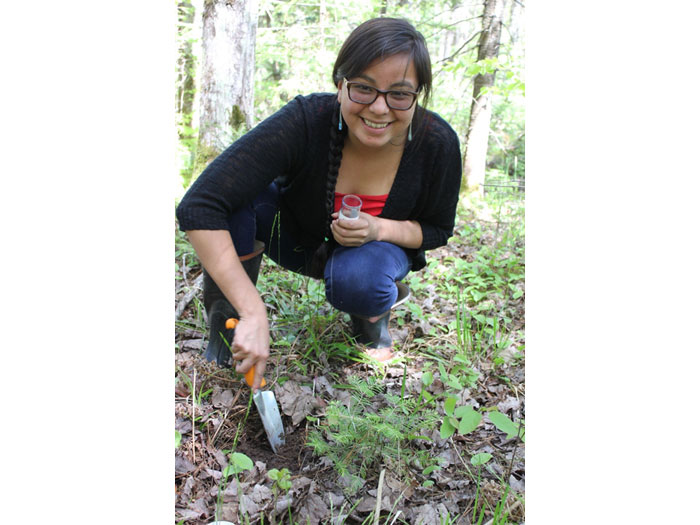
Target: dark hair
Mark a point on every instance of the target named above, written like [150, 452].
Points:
[373, 39]
[382, 38]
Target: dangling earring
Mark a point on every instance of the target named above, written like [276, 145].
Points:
[410, 129]
[340, 120]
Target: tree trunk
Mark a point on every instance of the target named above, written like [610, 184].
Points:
[185, 65]
[480, 116]
[228, 68]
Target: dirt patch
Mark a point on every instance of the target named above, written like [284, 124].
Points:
[293, 455]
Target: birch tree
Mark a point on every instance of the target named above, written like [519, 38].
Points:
[185, 64]
[480, 116]
[227, 75]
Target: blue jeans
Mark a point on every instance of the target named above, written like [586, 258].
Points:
[359, 280]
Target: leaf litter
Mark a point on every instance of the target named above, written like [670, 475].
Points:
[220, 418]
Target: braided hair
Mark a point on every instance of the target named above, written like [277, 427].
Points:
[335, 155]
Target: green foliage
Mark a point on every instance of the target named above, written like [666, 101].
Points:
[302, 316]
[373, 428]
[198, 394]
[286, 31]
[178, 439]
[185, 256]
[463, 419]
[505, 424]
[238, 462]
[481, 459]
[282, 479]
[460, 376]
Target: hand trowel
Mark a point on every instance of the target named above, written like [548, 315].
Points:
[266, 404]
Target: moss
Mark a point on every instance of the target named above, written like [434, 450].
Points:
[203, 155]
[237, 118]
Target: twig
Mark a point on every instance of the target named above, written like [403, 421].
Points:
[447, 59]
[378, 506]
[196, 286]
[194, 384]
[212, 441]
[216, 433]
[184, 268]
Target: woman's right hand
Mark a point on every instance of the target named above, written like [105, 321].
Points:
[251, 345]
[251, 342]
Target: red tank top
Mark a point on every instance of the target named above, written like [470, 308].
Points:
[371, 204]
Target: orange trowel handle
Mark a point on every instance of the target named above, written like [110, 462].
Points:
[250, 374]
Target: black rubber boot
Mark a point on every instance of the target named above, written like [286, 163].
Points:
[372, 335]
[219, 309]
[376, 335]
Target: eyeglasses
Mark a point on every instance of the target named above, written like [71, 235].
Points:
[396, 99]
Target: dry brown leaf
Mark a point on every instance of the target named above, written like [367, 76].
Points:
[430, 514]
[296, 401]
[187, 514]
[313, 510]
[183, 465]
[222, 398]
[261, 494]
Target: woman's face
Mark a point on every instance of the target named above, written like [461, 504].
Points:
[376, 125]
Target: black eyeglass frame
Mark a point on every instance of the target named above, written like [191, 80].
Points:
[378, 92]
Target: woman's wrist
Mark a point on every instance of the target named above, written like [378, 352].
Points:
[407, 234]
[251, 305]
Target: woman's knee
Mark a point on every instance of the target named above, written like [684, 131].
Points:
[361, 282]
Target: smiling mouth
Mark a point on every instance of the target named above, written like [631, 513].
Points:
[375, 125]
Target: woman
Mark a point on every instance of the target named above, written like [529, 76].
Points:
[277, 189]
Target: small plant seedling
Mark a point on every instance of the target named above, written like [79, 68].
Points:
[478, 460]
[281, 478]
[463, 419]
[238, 463]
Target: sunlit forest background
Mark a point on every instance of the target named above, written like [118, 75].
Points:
[295, 45]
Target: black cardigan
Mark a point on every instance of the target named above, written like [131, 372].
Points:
[292, 146]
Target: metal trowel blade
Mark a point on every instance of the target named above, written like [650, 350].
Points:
[269, 413]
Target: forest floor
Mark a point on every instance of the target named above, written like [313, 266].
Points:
[442, 425]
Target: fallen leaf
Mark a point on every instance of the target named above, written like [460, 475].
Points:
[296, 401]
[261, 494]
[216, 474]
[516, 484]
[187, 514]
[200, 506]
[186, 490]
[430, 515]
[183, 426]
[367, 504]
[313, 510]
[323, 385]
[249, 506]
[336, 499]
[183, 465]
[510, 403]
[191, 344]
[283, 504]
[300, 483]
[222, 398]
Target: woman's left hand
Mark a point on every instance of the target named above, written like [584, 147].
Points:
[355, 232]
